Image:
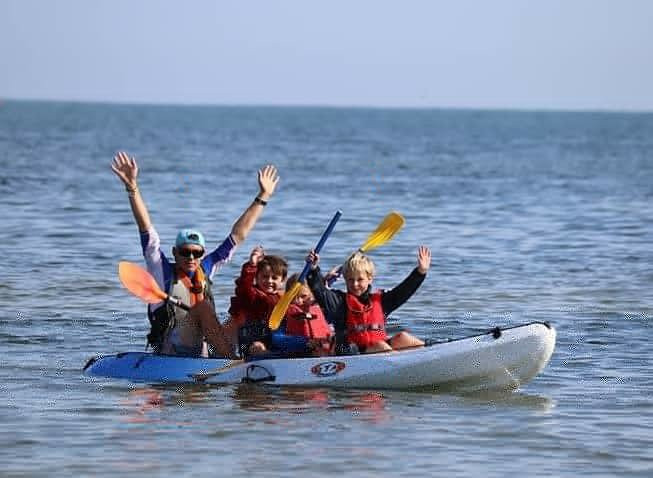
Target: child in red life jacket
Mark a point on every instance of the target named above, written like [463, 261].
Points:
[359, 314]
[305, 319]
[258, 289]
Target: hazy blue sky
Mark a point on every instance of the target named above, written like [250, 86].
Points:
[569, 54]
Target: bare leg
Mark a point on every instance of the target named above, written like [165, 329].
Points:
[379, 346]
[204, 315]
[320, 347]
[404, 340]
[230, 328]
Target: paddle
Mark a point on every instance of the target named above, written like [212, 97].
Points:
[282, 306]
[385, 231]
[202, 376]
[140, 283]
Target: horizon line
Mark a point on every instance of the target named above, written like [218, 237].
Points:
[327, 106]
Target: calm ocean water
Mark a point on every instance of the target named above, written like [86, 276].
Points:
[530, 216]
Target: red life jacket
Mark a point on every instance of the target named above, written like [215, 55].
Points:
[311, 325]
[262, 310]
[365, 323]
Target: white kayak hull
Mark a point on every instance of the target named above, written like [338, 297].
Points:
[501, 359]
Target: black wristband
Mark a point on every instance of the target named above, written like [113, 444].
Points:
[260, 201]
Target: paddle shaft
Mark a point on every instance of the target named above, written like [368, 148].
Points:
[390, 225]
[140, 282]
[280, 309]
[175, 301]
[318, 248]
[202, 376]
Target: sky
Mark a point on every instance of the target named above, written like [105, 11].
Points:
[505, 54]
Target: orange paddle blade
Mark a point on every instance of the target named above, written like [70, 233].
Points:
[140, 283]
[280, 309]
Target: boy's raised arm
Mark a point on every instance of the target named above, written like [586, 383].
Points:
[395, 297]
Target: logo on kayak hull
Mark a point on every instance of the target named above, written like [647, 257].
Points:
[327, 369]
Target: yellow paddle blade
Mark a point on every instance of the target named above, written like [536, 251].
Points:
[140, 283]
[390, 225]
[280, 309]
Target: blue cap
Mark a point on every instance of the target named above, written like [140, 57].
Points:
[189, 236]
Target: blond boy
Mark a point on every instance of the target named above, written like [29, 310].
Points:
[359, 313]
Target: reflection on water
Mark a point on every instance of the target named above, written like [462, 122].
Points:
[364, 405]
[265, 398]
[143, 404]
[531, 216]
[139, 403]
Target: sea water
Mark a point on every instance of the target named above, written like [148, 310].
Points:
[530, 216]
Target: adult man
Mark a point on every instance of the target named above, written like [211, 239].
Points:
[175, 331]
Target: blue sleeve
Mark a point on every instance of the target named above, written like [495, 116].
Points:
[288, 343]
[219, 256]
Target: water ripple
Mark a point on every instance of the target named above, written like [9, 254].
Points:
[530, 216]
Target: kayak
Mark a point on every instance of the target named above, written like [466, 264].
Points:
[498, 360]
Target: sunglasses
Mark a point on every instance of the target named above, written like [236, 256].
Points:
[192, 253]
